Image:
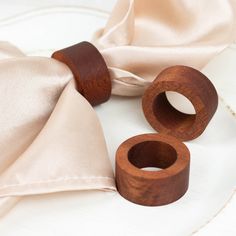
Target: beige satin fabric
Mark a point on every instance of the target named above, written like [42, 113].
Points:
[143, 37]
[51, 139]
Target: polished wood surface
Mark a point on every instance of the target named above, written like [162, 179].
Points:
[89, 69]
[191, 83]
[152, 188]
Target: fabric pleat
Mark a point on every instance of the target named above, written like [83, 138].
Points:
[142, 38]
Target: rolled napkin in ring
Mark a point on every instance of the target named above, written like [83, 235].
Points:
[89, 69]
[152, 188]
[195, 86]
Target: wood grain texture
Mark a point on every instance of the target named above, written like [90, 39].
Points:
[195, 86]
[152, 188]
[89, 69]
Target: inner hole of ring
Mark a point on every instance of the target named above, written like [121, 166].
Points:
[169, 116]
[150, 155]
[180, 102]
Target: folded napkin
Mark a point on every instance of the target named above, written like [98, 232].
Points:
[141, 38]
[51, 139]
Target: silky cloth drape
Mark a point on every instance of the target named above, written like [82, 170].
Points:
[143, 37]
[51, 139]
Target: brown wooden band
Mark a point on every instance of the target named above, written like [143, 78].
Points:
[89, 69]
[152, 188]
[189, 82]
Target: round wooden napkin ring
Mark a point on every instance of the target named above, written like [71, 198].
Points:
[89, 69]
[195, 86]
[152, 188]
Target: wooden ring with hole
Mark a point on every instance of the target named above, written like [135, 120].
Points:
[193, 85]
[152, 188]
[89, 69]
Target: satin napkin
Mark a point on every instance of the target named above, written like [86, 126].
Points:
[141, 38]
[51, 139]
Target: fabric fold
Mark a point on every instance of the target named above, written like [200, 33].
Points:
[51, 139]
[140, 39]
[69, 153]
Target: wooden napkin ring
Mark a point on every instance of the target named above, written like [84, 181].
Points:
[152, 188]
[195, 86]
[89, 69]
